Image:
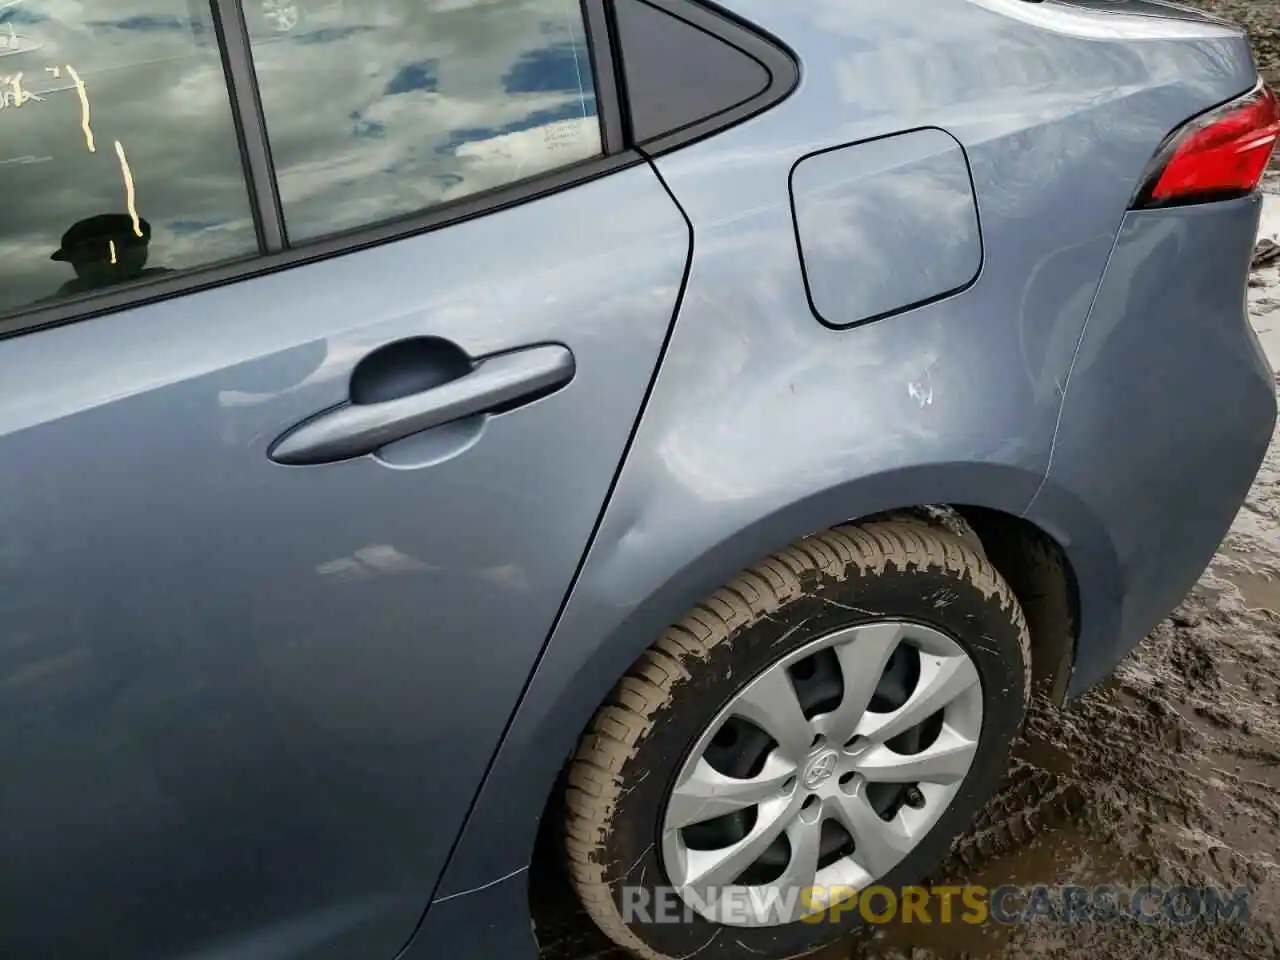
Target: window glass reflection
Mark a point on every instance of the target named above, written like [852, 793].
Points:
[118, 155]
[377, 108]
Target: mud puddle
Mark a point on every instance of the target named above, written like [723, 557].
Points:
[1259, 586]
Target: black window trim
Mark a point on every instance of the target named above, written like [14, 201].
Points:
[598, 22]
[232, 33]
[775, 57]
[274, 251]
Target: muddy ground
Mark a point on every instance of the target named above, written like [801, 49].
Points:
[1262, 18]
[1169, 774]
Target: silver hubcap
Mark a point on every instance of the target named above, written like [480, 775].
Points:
[824, 771]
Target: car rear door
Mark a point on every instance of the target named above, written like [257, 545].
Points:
[304, 427]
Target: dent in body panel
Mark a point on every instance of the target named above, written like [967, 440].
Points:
[885, 225]
[764, 425]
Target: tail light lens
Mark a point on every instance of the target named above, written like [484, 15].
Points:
[1219, 155]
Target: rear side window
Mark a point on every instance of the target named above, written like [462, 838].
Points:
[380, 108]
[118, 152]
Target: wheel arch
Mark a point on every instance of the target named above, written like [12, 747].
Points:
[599, 636]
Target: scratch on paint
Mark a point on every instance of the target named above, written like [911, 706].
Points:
[483, 886]
[921, 389]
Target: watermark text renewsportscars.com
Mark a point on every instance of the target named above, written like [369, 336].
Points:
[1008, 904]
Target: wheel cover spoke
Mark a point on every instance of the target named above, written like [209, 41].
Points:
[770, 702]
[944, 761]
[805, 837]
[942, 680]
[879, 846]
[705, 869]
[862, 658]
[705, 793]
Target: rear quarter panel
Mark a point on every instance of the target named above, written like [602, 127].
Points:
[1170, 409]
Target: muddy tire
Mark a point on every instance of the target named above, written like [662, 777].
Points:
[673, 702]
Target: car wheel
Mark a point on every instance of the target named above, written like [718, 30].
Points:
[830, 720]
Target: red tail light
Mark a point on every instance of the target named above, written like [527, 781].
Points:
[1221, 154]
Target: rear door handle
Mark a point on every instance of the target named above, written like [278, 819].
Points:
[356, 429]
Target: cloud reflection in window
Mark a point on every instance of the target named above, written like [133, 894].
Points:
[375, 109]
[370, 124]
